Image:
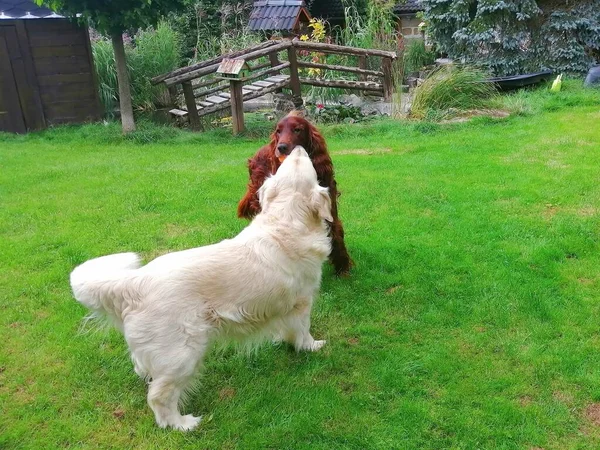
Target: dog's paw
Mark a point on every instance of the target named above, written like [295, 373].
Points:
[317, 345]
[187, 423]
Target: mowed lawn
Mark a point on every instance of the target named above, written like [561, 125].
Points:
[471, 320]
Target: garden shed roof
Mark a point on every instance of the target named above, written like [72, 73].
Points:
[281, 15]
[408, 7]
[25, 9]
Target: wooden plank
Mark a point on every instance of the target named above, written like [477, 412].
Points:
[190, 102]
[24, 75]
[280, 77]
[216, 99]
[251, 87]
[262, 83]
[237, 107]
[388, 79]
[52, 80]
[46, 25]
[69, 111]
[83, 93]
[11, 116]
[209, 62]
[343, 50]
[204, 104]
[206, 92]
[57, 50]
[55, 65]
[340, 68]
[51, 39]
[178, 112]
[344, 84]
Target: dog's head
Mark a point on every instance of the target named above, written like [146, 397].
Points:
[295, 189]
[290, 132]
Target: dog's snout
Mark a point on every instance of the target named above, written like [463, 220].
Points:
[283, 148]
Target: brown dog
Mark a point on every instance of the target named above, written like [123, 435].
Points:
[293, 130]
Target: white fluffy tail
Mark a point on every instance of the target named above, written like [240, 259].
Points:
[101, 284]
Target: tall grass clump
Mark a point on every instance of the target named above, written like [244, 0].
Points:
[416, 56]
[156, 51]
[104, 61]
[452, 88]
[151, 52]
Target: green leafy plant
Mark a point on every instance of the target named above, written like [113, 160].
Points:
[451, 88]
[339, 113]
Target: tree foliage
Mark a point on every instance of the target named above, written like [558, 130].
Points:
[516, 36]
[117, 16]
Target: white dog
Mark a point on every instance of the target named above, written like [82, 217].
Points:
[259, 284]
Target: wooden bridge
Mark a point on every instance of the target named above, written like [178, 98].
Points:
[205, 91]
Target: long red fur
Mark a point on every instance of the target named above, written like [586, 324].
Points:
[265, 163]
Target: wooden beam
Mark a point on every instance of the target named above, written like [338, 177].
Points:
[206, 92]
[190, 102]
[210, 62]
[344, 84]
[340, 68]
[331, 48]
[275, 69]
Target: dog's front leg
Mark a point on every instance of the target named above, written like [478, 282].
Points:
[296, 327]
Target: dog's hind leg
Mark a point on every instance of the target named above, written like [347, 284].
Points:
[163, 398]
[172, 366]
[296, 327]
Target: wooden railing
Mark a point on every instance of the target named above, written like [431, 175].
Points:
[197, 82]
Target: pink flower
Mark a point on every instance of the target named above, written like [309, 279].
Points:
[320, 106]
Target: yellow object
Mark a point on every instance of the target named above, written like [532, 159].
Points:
[556, 84]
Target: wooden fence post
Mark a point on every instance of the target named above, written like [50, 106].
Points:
[294, 78]
[388, 79]
[237, 106]
[362, 64]
[190, 102]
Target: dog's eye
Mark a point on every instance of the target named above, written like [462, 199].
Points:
[297, 130]
[278, 132]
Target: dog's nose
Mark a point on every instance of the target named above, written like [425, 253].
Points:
[283, 148]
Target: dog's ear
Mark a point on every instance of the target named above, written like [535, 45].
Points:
[267, 192]
[322, 203]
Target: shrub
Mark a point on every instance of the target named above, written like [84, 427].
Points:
[511, 37]
[451, 87]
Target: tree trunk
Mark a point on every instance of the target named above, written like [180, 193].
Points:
[124, 89]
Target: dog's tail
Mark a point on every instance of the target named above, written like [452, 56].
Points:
[103, 285]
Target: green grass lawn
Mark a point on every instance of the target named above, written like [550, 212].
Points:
[471, 320]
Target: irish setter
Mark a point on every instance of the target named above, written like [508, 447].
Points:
[291, 131]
